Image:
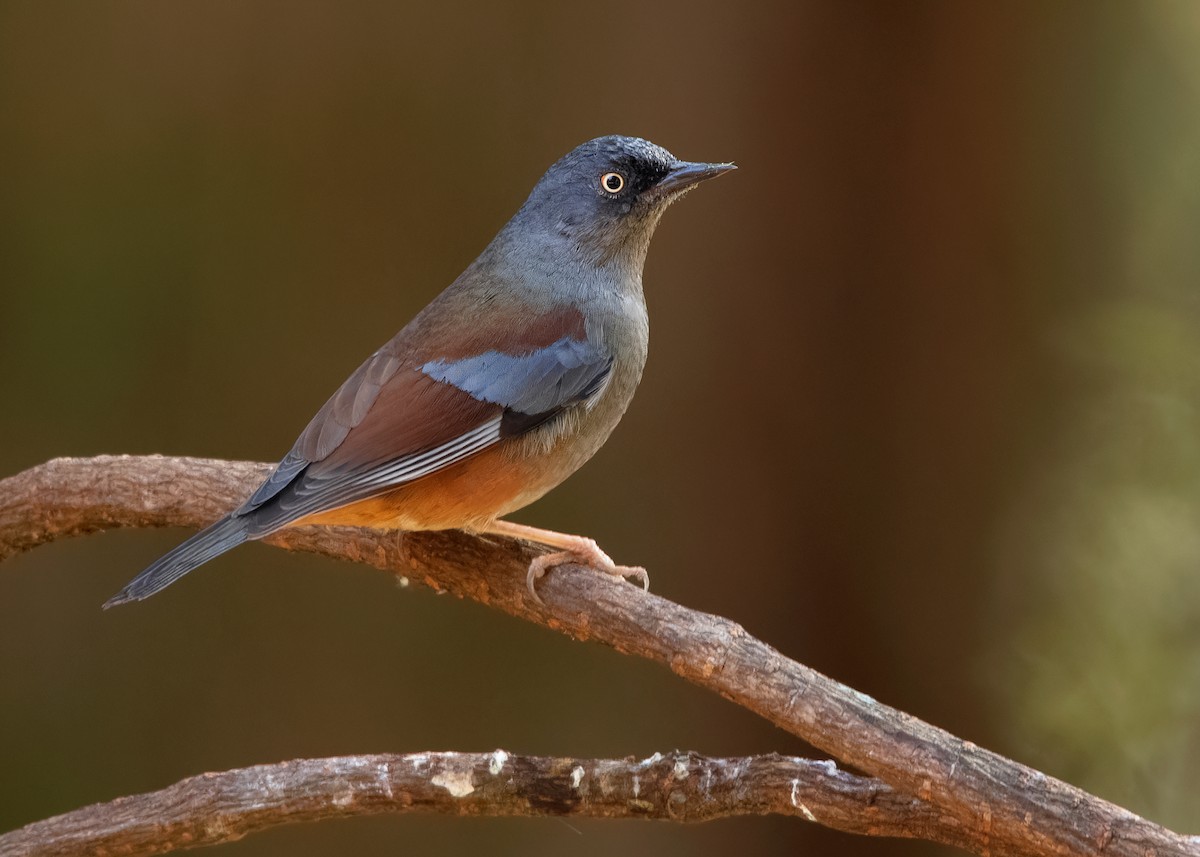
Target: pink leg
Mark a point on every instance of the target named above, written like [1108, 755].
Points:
[570, 549]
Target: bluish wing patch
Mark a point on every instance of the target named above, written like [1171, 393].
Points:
[531, 388]
[541, 382]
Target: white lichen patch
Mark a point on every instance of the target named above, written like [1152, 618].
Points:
[577, 776]
[653, 760]
[343, 799]
[383, 772]
[271, 791]
[458, 783]
[637, 785]
[496, 762]
[681, 769]
[804, 810]
[419, 761]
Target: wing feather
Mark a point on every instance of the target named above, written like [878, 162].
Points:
[396, 420]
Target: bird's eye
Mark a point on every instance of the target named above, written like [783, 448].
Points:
[612, 182]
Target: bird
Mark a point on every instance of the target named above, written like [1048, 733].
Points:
[498, 390]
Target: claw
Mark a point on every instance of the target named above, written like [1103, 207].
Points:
[537, 570]
[589, 554]
[577, 549]
[635, 572]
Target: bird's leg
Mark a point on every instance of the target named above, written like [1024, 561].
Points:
[570, 549]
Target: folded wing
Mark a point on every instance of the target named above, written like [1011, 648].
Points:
[396, 420]
[421, 403]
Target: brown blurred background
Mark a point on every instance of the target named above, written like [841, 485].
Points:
[921, 408]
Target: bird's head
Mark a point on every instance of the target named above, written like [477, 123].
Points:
[602, 200]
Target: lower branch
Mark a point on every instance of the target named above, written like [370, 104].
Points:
[1003, 807]
[215, 808]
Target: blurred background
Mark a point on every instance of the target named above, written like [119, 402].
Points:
[920, 411]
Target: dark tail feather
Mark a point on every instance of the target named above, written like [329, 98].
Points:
[224, 534]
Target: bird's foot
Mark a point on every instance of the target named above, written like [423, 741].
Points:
[584, 551]
[578, 549]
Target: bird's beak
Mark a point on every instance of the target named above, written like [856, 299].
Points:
[686, 174]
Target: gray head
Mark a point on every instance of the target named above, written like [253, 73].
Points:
[603, 200]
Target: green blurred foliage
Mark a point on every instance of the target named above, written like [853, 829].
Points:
[920, 409]
[1103, 552]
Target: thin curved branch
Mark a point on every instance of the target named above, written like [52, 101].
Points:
[213, 808]
[1013, 808]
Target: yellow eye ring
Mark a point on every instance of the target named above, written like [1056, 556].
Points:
[612, 182]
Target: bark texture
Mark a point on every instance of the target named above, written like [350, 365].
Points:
[213, 808]
[996, 805]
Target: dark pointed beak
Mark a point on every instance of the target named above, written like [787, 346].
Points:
[686, 174]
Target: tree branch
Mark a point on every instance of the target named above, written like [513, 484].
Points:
[1007, 808]
[215, 808]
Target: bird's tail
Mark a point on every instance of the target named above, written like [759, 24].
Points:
[225, 534]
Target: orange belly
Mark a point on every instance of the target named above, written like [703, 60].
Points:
[468, 494]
